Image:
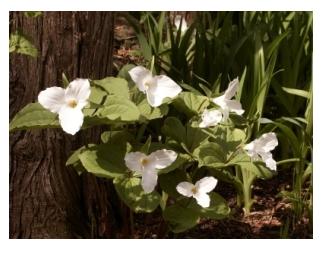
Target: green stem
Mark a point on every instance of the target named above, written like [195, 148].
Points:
[247, 179]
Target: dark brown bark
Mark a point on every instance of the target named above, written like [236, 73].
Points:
[48, 200]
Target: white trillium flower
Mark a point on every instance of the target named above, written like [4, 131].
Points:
[198, 190]
[156, 88]
[67, 103]
[261, 147]
[147, 165]
[226, 103]
[210, 118]
[177, 21]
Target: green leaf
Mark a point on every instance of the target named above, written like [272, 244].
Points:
[32, 14]
[297, 92]
[190, 103]
[65, 80]
[20, 44]
[131, 192]
[114, 86]
[210, 154]
[105, 160]
[116, 137]
[168, 182]
[146, 147]
[119, 109]
[34, 115]
[180, 218]
[181, 159]
[123, 73]
[74, 158]
[173, 128]
[256, 167]
[195, 137]
[147, 111]
[218, 208]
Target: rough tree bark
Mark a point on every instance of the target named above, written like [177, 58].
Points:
[48, 200]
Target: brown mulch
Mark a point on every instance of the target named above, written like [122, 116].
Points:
[269, 214]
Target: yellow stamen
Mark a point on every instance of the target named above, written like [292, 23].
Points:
[144, 161]
[194, 190]
[72, 103]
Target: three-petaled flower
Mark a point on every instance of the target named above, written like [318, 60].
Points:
[67, 103]
[156, 88]
[198, 190]
[226, 103]
[147, 165]
[261, 147]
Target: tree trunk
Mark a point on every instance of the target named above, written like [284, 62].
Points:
[48, 200]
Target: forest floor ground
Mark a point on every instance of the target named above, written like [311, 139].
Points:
[270, 213]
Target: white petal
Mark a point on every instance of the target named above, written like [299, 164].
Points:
[250, 146]
[140, 76]
[225, 113]
[220, 101]
[185, 189]
[210, 118]
[149, 180]
[52, 99]
[165, 88]
[232, 88]
[206, 184]
[254, 155]
[162, 158]
[268, 141]
[71, 119]
[79, 89]
[270, 163]
[133, 161]
[234, 106]
[202, 199]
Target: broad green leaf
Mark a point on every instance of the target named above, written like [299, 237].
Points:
[74, 158]
[20, 44]
[114, 86]
[34, 115]
[173, 128]
[218, 208]
[131, 192]
[168, 182]
[148, 112]
[123, 73]
[210, 154]
[180, 218]
[105, 160]
[195, 137]
[181, 159]
[190, 103]
[118, 109]
[256, 167]
[235, 135]
[116, 137]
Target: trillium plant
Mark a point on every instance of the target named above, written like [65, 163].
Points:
[166, 146]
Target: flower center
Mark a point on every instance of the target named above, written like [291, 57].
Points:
[144, 161]
[72, 103]
[147, 85]
[194, 190]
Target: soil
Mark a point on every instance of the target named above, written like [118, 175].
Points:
[270, 214]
